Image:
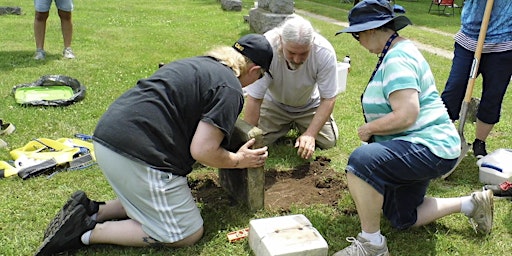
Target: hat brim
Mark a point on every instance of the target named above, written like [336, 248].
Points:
[399, 23]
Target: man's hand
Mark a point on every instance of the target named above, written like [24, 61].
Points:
[306, 146]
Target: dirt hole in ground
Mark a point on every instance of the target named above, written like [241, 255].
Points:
[312, 183]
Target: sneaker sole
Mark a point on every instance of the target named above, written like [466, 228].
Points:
[66, 236]
[489, 196]
[72, 202]
[46, 248]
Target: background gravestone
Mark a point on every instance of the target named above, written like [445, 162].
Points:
[231, 5]
[268, 14]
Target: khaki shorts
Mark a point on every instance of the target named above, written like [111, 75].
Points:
[160, 201]
[276, 123]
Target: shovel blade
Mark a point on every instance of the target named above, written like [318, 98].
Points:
[463, 151]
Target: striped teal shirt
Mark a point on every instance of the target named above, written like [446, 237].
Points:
[404, 67]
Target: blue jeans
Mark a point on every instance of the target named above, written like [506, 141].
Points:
[496, 70]
[401, 171]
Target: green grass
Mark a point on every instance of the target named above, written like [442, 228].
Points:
[117, 43]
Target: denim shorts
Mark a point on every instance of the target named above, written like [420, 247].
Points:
[401, 171]
[44, 5]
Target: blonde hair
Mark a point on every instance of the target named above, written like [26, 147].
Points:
[231, 58]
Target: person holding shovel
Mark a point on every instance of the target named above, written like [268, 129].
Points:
[495, 66]
[147, 142]
[408, 138]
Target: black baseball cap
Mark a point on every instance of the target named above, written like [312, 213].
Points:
[257, 48]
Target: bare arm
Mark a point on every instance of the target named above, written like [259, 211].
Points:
[306, 141]
[406, 108]
[252, 110]
[205, 148]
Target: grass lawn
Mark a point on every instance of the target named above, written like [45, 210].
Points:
[119, 42]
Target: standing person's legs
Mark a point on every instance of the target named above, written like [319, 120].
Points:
[67, 27]
[40, 28]
[496, 72]
[42, 10]
[456, 85]
[65, 8]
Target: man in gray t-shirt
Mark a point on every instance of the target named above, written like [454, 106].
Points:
[301, 91]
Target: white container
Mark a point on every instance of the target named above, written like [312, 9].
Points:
[496, 167]
[291, 235]
[342, 69]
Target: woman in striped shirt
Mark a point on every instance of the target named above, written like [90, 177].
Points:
[408, 138]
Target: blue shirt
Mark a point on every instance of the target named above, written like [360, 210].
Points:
[499, 29]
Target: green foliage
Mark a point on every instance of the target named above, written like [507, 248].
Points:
[119, 42]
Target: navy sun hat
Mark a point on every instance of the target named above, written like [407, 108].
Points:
[370, 14]
[257, 48]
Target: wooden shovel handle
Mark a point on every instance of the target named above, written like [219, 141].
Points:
[478, 51]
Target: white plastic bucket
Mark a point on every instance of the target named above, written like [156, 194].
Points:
[342, 69]
[495, 167]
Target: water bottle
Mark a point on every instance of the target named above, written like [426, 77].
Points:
[347, 60]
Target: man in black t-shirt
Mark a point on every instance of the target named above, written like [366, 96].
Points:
[148, 140]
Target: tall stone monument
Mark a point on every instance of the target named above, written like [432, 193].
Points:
[267, 14]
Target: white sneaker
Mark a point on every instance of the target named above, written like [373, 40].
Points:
[68, 53]
[363, 247]
[482, 216]
[40, 54]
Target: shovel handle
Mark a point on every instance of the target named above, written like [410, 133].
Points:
[478, 51]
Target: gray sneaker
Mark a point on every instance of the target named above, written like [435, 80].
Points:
[68, 53]
[482, 216]
[40, 54]
[362, 247]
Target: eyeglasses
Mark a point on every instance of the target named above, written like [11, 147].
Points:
[355, 35]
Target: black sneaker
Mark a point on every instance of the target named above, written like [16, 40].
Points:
[90, 206]
[77, 198]
[502, 190]
[479, 148]
[66, 234]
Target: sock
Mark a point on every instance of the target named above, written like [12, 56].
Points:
[374, 238]
[466, 205]
[86, 237]
[94, 216]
